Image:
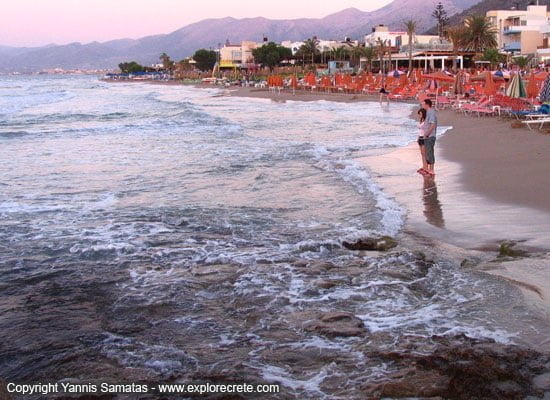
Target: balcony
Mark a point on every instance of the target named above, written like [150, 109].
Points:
[510, 30]
[512, 46]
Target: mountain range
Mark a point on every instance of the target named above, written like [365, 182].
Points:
[208, 33]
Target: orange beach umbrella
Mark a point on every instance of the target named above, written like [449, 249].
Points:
[439, 76]
[490, 88]
[310, 79]
[541, 76]
[532, 87]
[293, 82]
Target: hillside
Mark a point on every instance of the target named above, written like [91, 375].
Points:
[208, 33]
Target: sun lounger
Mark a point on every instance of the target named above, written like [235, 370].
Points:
[540, 122]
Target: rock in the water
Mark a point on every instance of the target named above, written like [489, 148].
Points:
[334, 324]
[383, 243]
[412, 383]
[507, 250]
[464, 368]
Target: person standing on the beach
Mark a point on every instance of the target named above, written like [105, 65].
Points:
[383, 92]
[431, 131]
[422, 127]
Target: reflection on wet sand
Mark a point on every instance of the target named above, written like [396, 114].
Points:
[432, 205]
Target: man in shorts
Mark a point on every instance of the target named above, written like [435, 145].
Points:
[431, 131]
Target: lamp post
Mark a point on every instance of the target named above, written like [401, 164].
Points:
[219, 59]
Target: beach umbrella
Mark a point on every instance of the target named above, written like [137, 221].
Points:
[541, 75]
[545, 92]
[459, 85]
[310, 79]
[432, 85]
[396, 74]
[369, 79]
[439, 76]
[490, 88]
[532, 87]
[403, 80]
[499, 73]
[326, 81]
[347, 79]
[418, 77]
[293, 82]
[482, 77]
[516, 87]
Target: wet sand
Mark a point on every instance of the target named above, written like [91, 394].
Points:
[488, 189]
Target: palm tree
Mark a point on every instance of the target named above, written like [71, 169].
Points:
[410, 25]
[340, 54]
[166, 62]
[310, 47]
[369, 53]
[458, 36]
[522, 61]
[381, 52]
[356, 53]
[389, 53]
[480, 35]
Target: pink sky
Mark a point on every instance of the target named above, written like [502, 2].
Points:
[40, 22]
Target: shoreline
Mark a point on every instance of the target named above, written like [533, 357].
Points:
[460, 211]
[466, 215]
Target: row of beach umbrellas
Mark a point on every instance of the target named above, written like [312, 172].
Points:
[515, 88]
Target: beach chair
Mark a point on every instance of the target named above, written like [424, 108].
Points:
[539, 121]
[442, 102]
[395, 94]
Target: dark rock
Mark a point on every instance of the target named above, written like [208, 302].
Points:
[464, 368]
[506, 250]
[328, 284]
[383, 243]
[412, 383]
[334, 324]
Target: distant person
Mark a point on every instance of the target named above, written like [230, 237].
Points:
[431, 131]
[422, 127]
[384, 92]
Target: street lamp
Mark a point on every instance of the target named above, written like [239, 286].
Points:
[219, 59]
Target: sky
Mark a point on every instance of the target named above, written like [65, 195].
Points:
[41, 22]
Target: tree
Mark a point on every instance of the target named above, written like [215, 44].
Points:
[369, 53]
[381, 49]
[340, 54]
[310, 48]
[458, 36]
[206, 59]
[356, 53]
[480, 34]
[491, 55]
[410, 25]
[442, 19]
[271, 55]
[130, 67]
[167, 64]
[522, 61]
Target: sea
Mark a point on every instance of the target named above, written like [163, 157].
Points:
[157, 233]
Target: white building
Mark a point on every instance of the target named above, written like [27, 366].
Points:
[382, 32]
[293, 46]
[322, 45]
